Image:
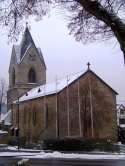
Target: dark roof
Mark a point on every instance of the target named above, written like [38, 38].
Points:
[21, 49]
[26, 41]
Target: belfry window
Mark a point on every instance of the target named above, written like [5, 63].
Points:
[32, 76]
[13, 77]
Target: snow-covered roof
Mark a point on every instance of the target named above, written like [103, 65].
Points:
[50, 88]
[55, 87]
[120, 106]
[4, 108]
[3, 132]
[122, 125]
[7, 117]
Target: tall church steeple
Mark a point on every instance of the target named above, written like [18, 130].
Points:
[27, 67]
[26, 41]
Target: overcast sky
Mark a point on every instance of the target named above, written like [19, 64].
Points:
[64, 56]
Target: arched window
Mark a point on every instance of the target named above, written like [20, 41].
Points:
[34, 116]
[13, 77]
[32, 76]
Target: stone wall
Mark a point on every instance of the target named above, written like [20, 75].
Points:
[52, 123]
[21, 85]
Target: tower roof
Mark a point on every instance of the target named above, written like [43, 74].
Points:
[26, 41]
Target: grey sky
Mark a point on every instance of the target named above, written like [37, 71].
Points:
[64, 56]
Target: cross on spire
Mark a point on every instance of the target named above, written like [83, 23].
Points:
[26, 24]
[88, 64]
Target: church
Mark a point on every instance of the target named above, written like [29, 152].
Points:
[79, 105]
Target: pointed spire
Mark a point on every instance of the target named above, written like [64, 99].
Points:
[26, 41]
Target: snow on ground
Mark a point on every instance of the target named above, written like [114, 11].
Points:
[63, 156]
[3, 132]
[42, 154]
[79, 156]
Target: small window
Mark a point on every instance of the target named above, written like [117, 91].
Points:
[12, 131]
[122, 111]
[16, 132]
[13, 77]
[122, 121]
[32, 76]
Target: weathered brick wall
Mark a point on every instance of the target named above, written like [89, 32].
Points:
[103, 109]
[104, 106]
[73, 112]
[26, 118]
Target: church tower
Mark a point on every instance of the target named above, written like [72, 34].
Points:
[27, 68]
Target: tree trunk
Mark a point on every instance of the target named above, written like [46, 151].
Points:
[109, 18]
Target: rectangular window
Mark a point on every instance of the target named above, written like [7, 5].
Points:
[16, 132]
[12, 131]
[121, 121]
[122, 111]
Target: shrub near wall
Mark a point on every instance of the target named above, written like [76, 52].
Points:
[67, 144]
[79, 144]
[105, 145]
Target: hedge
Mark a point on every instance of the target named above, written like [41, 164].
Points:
[67, 144]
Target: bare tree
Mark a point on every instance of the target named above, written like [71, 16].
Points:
[3, 93]
[30, 137]
[30, 128]
[89, 20]
[14, 13]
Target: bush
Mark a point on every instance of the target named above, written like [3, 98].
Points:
[105, 145]
[67, 144]
[79, 144]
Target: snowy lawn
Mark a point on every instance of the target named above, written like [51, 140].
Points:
[64, 156]
[59, 155]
